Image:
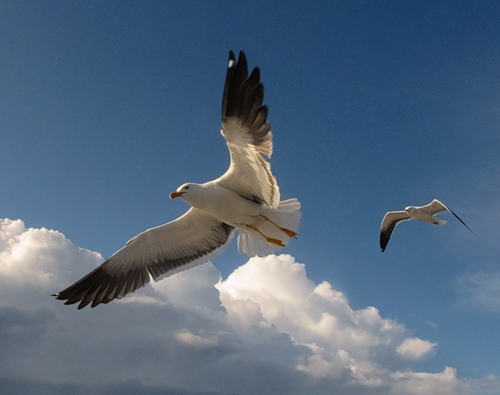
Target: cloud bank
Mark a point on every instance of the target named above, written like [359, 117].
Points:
[265, 329]
[481, 289]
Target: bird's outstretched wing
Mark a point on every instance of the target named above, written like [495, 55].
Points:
[434, 207]
[389, 222]
[188, 241]
[437, 206]
[248, 135]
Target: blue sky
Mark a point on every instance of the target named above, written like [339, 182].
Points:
[106, 107]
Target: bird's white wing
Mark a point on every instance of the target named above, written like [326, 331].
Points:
[436, 207]
[389, 222]
[248, 135]
[188, 241]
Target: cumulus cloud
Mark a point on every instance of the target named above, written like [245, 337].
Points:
[267, 328]
[411, 383]
[190, 339]
[343, 343]
[39, 255]
[38, 261]
[414, 348]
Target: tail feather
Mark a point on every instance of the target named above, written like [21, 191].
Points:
[287, 215]
[439, 222]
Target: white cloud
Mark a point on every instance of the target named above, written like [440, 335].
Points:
[38, 261]
[267, 328]
[410, 383]
[415, 349]
[190, 339]
[275, 292]
[39, 255]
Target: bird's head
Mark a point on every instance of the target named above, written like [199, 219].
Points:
[187, 192]
[181, 191]
[410, 210]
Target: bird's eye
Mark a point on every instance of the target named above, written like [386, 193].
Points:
[186, 187]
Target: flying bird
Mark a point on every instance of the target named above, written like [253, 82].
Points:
[423, 213]
[246, 198]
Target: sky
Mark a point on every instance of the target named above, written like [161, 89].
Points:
[106, 107]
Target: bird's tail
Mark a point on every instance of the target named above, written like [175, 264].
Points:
[277, 225]
[439, 222]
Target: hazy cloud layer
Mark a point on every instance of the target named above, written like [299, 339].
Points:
[267, 328]
[481, 289]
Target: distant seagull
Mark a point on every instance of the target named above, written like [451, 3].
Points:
[423, 213]
[246, 197]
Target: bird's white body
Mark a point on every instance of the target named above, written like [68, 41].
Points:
[222, 203]
[253, 219]
[425, 214]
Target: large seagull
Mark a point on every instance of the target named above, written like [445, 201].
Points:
[246, 197]
[423, 213]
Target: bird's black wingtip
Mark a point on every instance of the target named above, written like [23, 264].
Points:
[57, 296]
[382, 245]
[232, 58]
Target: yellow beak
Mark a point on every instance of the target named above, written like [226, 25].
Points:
[173, 195]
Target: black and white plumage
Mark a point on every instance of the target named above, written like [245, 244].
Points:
[246, 197]
[423, 213]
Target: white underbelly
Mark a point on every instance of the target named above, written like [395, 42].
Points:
[232, 209]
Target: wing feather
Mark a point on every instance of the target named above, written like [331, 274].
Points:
[434, 207]
[188, 241]
[437, 206]
[248, 134]
[389, 222]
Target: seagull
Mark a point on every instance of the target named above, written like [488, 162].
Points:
[423, 213]
[246, 198]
